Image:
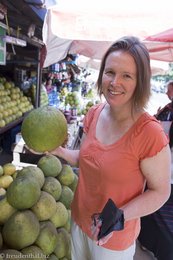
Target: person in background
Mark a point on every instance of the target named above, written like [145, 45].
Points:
[157, 229]
[166, 113]
[48, 85]
[123, 148]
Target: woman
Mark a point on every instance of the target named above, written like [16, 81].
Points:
[123, 148]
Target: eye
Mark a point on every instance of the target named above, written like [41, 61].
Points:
[127, 76]
[109, 72]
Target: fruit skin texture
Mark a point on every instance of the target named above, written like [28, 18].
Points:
[50, 165]
[44, 129]
[47, 238]
[21, 229]
[23, 192]
[66, 176]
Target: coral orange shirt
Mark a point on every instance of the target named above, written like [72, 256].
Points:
[112, 171]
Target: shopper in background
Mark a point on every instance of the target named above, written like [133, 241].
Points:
[157, 229]
[166, 113]
[48, 85]
[123, 148]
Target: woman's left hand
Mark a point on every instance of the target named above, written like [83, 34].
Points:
[95, 229]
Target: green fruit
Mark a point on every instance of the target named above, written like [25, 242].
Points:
[66, 196]
[45, 206]
[47, 238]
[23, 192]
[6, 210]
[50, 165]
[73, 185]
[44, 129]
[63, 244]
[21, 229]
[60, 217]
[33, 252]
[32, 171]
[66, 176]
[52, 186]
[67, 225]
[53, 257]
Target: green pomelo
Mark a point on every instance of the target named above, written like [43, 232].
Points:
[32, 171]
[63, 246]
[66, 176]
[23, 192]
[11, 254]
[21, 229]
[47, 238]
[50, 165]
[45, 207]
[53, 257]
[73, 185]
[44, 129]
[6, 210]
[67, 225]
[52, 186]
[60, 217]
[33, 252]
[66, 196]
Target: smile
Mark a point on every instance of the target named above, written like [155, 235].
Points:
[116, 92]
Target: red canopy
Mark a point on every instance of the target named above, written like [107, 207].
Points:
[160, 46]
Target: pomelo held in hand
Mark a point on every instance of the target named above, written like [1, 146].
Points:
[44, 129]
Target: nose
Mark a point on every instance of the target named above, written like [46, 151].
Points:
[115, 80]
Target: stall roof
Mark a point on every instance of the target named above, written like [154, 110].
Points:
[89, 27]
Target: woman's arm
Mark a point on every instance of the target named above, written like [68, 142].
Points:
[71, 156]
[157, 172]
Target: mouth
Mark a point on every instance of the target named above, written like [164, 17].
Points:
[116, 92]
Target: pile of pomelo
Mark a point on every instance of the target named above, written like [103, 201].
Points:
[35, 210]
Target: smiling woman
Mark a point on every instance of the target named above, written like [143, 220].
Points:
[122, 149]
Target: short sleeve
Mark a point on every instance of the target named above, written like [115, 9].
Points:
[150, 139]
[89, 117]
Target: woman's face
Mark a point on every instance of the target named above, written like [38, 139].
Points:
[119, 79]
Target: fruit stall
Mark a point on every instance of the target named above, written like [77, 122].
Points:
[35, 198]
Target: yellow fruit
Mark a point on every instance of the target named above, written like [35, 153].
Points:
[6, 210]
[9, 168]
[5, 181]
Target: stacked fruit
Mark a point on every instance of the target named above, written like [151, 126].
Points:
[72, 99]
[13, 104]
[35, 211]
